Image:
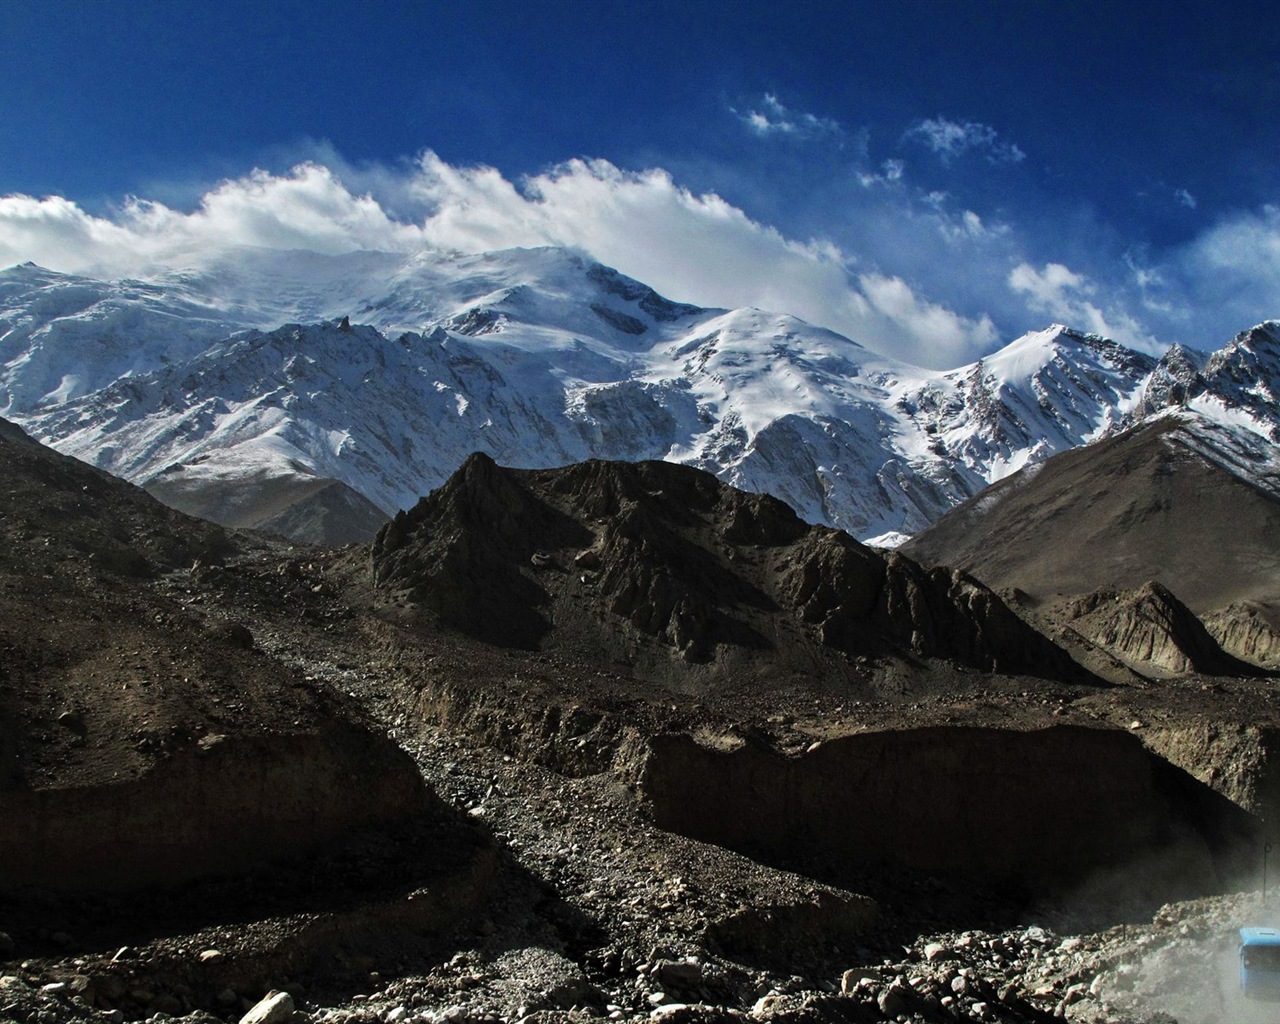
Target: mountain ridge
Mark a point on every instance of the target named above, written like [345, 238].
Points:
[383, 372]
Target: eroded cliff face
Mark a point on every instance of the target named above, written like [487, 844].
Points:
[226, 805]
[1149, 628]
[1234, 758]
[1249, 631]
[1045, 807]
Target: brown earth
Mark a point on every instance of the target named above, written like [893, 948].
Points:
[1138, 546]
[1140, 506]
[303, 508]
[142, 741]
[742, 740]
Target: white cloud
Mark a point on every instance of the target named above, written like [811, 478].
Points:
[1068, 297]
[1230, 274]
[891, 172]
[942, 337]
[306, 209]
[694, 247]
[950, 139]
[967, 226]
[1185, 198]
[773, 118]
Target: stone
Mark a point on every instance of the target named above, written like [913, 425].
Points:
[893, 1000]
[274, 1008]
[851, 978]
[677, 974]
[210, 954]
[935, 951]
[396, 1015]
[72, 721]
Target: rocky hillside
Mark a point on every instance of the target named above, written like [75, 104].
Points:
[141, 740]
[608, 742]
[652, 562]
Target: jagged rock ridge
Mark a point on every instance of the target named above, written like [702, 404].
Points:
[637, 554]
[1150, 628]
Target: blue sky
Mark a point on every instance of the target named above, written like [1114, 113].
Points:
[933, 179]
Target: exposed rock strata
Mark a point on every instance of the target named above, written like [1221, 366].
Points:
[1151, 629]
[1248, 631]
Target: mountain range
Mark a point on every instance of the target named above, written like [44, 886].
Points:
[316, 395]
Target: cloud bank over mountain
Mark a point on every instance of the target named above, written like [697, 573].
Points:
[912, 275]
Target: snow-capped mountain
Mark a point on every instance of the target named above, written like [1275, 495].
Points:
[383, 372]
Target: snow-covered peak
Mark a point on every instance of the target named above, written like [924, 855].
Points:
[1236, 386]
[1045, 392]
[1026, 357]
[390, 369]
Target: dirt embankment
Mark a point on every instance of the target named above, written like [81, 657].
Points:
[226, 804]
[1043, 808]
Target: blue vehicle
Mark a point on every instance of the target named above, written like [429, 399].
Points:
[1260, 962]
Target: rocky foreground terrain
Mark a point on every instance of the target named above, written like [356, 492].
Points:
[615, 742]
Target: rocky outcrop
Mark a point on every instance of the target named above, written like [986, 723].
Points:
[1046, 807]
[1150, 629]
[856, 597]
[1174, 382]
[653, 552]
[1249, 631]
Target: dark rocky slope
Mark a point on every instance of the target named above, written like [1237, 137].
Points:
[679, 586]
[673, 573]
[141, 742]
[887, 803]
